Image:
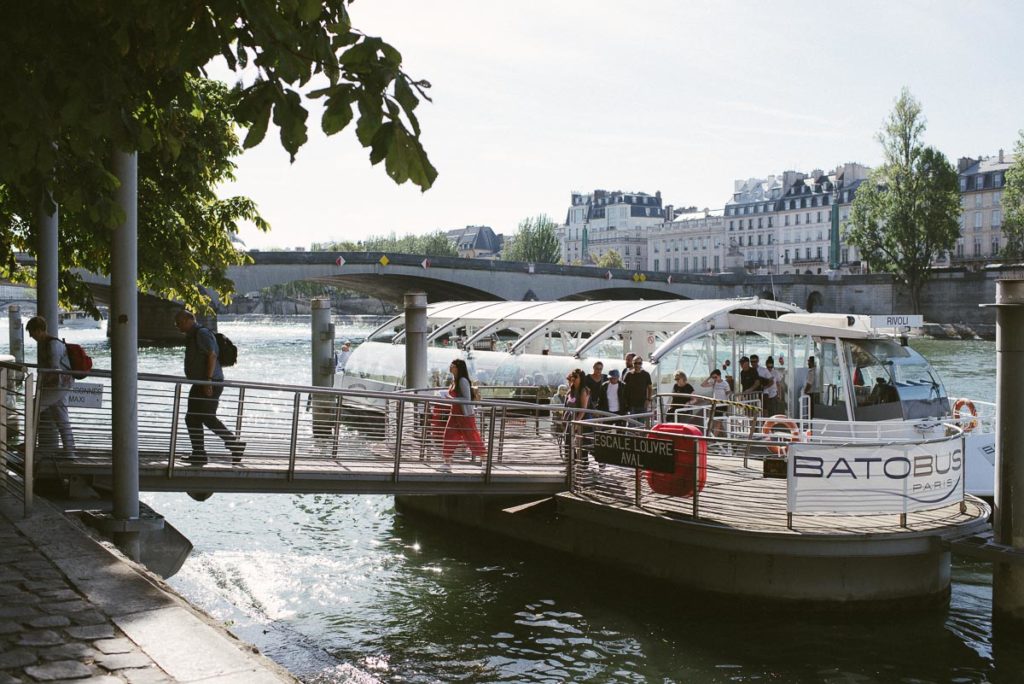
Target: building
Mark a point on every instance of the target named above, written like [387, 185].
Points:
[692, 242]
[805, 218]
[751, 218]
[601, 221]
[981, 214]
[476, 242]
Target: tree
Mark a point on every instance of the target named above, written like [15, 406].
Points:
[429, 244]
[907, 213]
[610, 259]
[534, 242]
[84, 79]
[1013, 205]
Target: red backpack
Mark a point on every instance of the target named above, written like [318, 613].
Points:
[80, 360]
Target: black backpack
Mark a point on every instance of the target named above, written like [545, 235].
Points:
[228, 351]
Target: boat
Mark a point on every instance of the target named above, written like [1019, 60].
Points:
[871, 383]
[78, 319]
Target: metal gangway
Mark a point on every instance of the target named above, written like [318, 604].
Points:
[297, 439]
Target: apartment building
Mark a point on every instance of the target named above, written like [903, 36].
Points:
[610, 220]
[982, 181]
[805, 218]
[751, 218]
[692, 242]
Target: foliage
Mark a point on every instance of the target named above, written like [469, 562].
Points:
[83, 78]
[534, 242]
[429, 244]
[1013, 204]
[906, 214]
[86, 71]
[610, 259]
[185, 230]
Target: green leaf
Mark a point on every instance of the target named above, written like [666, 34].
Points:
[309, 10]
[380, 146]
[338, 113]
[408, 161]
[258, 128]
[370, 118]
[405, 95]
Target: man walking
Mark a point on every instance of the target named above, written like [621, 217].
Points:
[52, 357]
[202, 363]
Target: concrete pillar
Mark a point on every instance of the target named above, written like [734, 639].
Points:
[1008, 518]
[416, 331]
[16, 332]
[123, 331]
[322, 332]
[46, 264]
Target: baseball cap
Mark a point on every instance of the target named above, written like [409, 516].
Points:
[613, 373]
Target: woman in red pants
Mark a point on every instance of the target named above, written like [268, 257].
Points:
[461, 424]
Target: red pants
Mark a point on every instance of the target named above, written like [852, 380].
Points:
[462, 428]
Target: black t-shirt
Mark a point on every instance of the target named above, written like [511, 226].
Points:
[637, 383]
[748, 377]
[686, 388]
[595, 388]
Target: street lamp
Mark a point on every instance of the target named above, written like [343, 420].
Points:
[833, 247]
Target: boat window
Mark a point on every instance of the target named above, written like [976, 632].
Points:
[832, 399]
[874, 385]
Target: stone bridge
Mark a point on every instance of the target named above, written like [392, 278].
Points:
[950, 296]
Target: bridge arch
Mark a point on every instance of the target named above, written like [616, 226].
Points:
[815, 301]
[625, 292]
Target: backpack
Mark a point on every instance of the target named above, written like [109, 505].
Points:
[80, 360]
[228, 351]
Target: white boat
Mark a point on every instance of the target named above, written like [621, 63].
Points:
[77, 319]
[510, 345]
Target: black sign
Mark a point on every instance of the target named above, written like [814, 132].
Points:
[635, 451]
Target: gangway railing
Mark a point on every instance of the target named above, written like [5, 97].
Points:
[295, 434]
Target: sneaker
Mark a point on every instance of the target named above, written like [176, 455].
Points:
[237, 449]
[196, 460]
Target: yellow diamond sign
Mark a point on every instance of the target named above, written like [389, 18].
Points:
[384, 261]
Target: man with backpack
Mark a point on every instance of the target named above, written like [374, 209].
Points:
[52, 357]
[202, 362]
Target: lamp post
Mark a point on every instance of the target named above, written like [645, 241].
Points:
[833, 247]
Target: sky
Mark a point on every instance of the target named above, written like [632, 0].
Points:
[536, 99]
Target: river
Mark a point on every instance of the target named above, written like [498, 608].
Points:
[343, 589]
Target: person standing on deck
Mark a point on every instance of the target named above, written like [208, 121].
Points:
[639, 387]
[53, 389]
[202, 363]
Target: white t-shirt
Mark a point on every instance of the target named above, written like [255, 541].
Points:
[771, 390]
[613, 397]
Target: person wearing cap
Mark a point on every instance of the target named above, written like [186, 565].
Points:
[613, 394]
[773, 404]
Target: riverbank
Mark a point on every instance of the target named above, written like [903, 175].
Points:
[72, 607]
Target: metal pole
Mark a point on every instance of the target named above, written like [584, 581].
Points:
[30, 442]
[124, 344]
[46, 264]
[322, 371]
[16, 333]
[416, 340]
[1008, 518]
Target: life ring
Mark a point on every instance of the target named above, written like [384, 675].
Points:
[962, 404]
[781, 421]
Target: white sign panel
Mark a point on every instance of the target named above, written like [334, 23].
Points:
[897, 321]
[874, 479]
[85, 395]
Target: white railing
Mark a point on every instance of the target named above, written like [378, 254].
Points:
[745, 481]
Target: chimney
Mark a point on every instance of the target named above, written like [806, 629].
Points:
[1000, 155]
[964, 164]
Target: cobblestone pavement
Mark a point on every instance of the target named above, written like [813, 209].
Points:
[72, 610]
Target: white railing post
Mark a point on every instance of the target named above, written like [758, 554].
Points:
[175, 415]
[293, 450]
[399, 426]
[30, 442]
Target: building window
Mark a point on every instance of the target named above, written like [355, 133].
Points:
[845, 251]
[995, 246]
[796, 219]
[977, 247]
[808, 217]
[819, 252]
[704, 263]
[657, 264]
[819, 217]
[760, 239]
[769, 221]
[785, 220]
[960, 248]
[977, 220]
[997, 180]
[717, 267]
[730, 225]
[786, 256]
[963, 185]
[979, 182]
[997, 218]
[677, 263]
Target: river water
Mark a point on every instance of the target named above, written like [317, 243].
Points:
[343, 589]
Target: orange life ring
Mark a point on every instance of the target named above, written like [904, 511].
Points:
[961, 404]
[781, 421]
